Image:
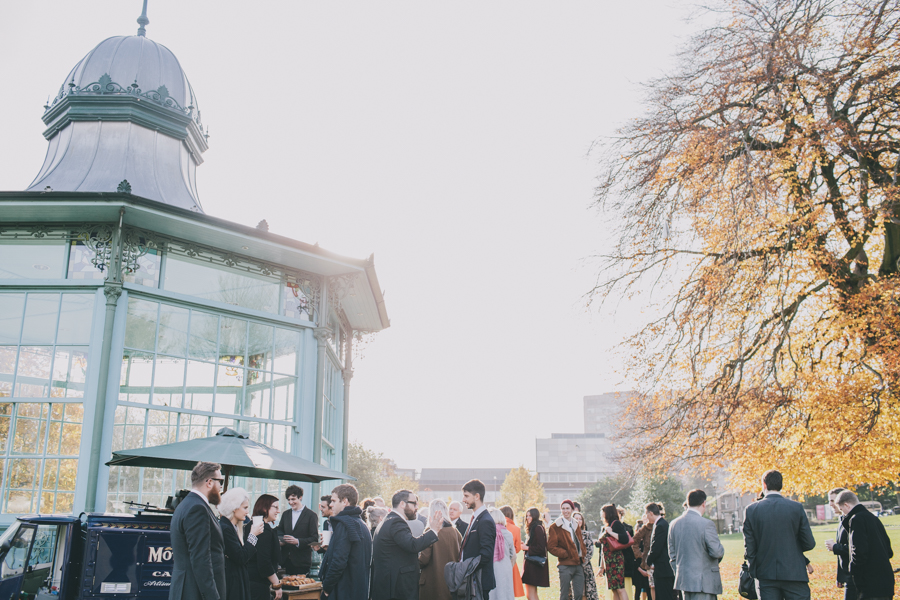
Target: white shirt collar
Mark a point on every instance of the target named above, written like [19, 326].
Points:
[775, 492]
[396, 511]
[696, 510]
[205, 499]
[299, 510]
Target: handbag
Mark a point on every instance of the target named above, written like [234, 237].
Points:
[747, 585]
[539, 560]
[615, 544]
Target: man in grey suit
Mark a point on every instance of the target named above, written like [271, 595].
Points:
[198, 549]
[776, 534]
[695, 551]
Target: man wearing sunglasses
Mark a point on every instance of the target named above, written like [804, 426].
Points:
[197, 545]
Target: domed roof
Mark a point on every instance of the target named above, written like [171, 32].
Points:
[125, 119]
[133, 64]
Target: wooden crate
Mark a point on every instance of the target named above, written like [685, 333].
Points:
[308, 594]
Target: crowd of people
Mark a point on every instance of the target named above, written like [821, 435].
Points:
[412, 552]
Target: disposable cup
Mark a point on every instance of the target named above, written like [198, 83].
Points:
[326, 537]
[257, 519]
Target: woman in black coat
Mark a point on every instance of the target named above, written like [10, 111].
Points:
[234, 508]
[535, 575]
[263, 566]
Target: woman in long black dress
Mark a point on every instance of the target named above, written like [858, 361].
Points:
[264, 564]
[535, 575]
[234, 508]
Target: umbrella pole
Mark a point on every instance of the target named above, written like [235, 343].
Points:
[225, 473]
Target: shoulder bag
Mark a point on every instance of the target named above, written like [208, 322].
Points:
[615, 544]
[539, 560]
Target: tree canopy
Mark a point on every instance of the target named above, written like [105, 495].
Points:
[521, 490]
[758, 208]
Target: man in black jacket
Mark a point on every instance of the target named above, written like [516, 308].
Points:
[481, 534]
[840, 546]
[870, 550]
[299, 527]
[395, 564]
[198, 547]
[345, 573]
[658, 557]
[776, 534]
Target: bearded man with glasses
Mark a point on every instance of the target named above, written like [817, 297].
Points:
[198, 548]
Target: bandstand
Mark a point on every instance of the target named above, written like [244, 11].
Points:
[130, 318]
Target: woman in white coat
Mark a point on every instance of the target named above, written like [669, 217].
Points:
[504, 559]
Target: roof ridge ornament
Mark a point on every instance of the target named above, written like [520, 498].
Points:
[143, 21]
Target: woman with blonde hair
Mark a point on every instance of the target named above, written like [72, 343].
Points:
[432, 584]
[233, 509]
[504, 558]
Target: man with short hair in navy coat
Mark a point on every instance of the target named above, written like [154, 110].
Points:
[345, 573]
[481, 535]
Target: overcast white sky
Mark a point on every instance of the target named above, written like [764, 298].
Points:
[449, 138]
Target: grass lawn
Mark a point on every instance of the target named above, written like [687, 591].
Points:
[821, 581]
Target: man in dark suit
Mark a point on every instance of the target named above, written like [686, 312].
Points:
[870, 550]
[658, 556]
[776, 534]
[345, 573]
[840, 546]
[455, 510]
[481, 534]
[299, 528]
[198, 548]
[395, 556]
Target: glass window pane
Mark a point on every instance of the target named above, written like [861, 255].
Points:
[192, 427]
[43, 260]
[162, 427]
[137, 375]
[140, 328]
[284, 398]
[71, 440]
[258, 394]
[221, 284]
[199, 385]
[296, 302]
[53, 437]
[75, 319]
[5, 416]
[11, 308]
[204, 333]
[33, 372]
[80, 265]
[51, 468]
[68, 471]
[69, 372]
[229, 382]
[259, 347]
[232, 340]
[40, 319]
[173, 330]
[148, 270]
[287, 343]
[168, 383]
[30, 428]
[7, 368]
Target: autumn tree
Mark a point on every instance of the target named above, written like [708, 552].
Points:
[367, 466]
[757, 199]
[522, 490]
[616, 490]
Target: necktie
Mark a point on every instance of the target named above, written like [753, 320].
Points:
[469, 530]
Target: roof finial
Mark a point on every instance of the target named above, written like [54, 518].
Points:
[142, 21]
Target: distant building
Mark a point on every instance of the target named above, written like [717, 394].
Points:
[567, 463]
[447, 483]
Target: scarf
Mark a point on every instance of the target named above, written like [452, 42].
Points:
[499, 544]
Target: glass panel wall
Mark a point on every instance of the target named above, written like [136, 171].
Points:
[221, 284]
[185, 374]
[44, 259]
[44, 355]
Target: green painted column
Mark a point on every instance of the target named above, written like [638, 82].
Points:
[112, 291]
[322, 335]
